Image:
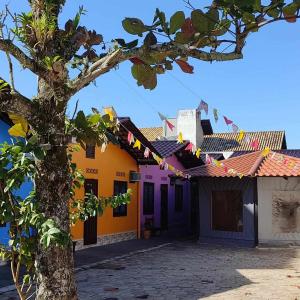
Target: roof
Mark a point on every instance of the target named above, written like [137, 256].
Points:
[122, 134]
[290, 152]
[166, 148]
[252, 165]
[227, 141]
[152, 133]
[275, 140]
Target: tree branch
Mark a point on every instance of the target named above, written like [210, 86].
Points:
[8, 47]
[111, 60]
[14, 102]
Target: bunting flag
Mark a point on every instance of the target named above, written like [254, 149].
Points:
[241, 136]
[198, 153]
[170, 125]
[235, 128]
[227, 121]
[247, 138]
[109, 111]
[208, 159]
[225, 169]
[146, 152]
[189, 147]
[216, 114]
[203, 106]
[162, 117]
[137, 144]
[171, 168]
[266, 151]
[130, 138]
[180, 138]
[255, 144]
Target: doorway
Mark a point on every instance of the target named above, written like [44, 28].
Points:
[90, 225]
[195, 224]
[164, 207]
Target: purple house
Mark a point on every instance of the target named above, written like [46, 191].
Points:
[165, 199]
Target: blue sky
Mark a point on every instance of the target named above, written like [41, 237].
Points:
[260, 92]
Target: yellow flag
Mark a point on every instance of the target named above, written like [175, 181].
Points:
[19, 120]
[198, 152]
[17, 131]
[217, 163]
[180, 138]
[241, 135]
[171, 168]
[240, 175]
[137, 144]
[265, 152]
[110, 112]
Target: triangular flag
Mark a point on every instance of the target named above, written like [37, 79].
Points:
[180, 138]
[225, 169]
[247, 138]
[203, 106]
[109, 111]
[227, 121]
[235, 128]
[162, 117]
[137, 144]
[216, 115]
[208, 159]
[198, 153]
[130, 138]
[240, 175]
[255, 145]
[217, 163]
[265, 152]
[146, 152]
[170, 125]
[171, 168]
[241, 136]
[19, 120]
[189, 147]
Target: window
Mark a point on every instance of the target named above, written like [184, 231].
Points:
[90, 151]
[148, 198]
[120, 187]
[227, 210]
[2, 224]
[178, 198]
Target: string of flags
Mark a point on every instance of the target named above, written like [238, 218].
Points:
[132, 140]
[242, 137]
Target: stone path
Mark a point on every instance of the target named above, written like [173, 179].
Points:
[186, 270]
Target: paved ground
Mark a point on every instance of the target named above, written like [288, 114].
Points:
[186, 270]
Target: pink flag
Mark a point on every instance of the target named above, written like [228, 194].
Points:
[130, 138]
[227, 121]
[146, 152]
[203, 106]
[255, 145]
[225, 169]
[170, 125]
[208, 159]
[189, 147]
[235, 128]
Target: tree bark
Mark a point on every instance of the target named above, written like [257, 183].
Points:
[54, 265]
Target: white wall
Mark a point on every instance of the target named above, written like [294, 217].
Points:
[278, 223]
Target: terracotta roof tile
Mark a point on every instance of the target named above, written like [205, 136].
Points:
[252, 164]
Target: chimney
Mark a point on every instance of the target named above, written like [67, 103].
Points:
[188, 122]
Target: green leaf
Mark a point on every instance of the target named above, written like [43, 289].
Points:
[134, 26]
[199, 21]
[289, 12]
[176, 21]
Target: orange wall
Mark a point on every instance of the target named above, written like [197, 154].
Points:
[108, 163]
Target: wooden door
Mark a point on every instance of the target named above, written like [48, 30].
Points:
[90, 225]
[164, 207]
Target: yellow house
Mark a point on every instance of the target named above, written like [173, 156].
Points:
[109, 173]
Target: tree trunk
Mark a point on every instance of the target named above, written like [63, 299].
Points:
[54, 265]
